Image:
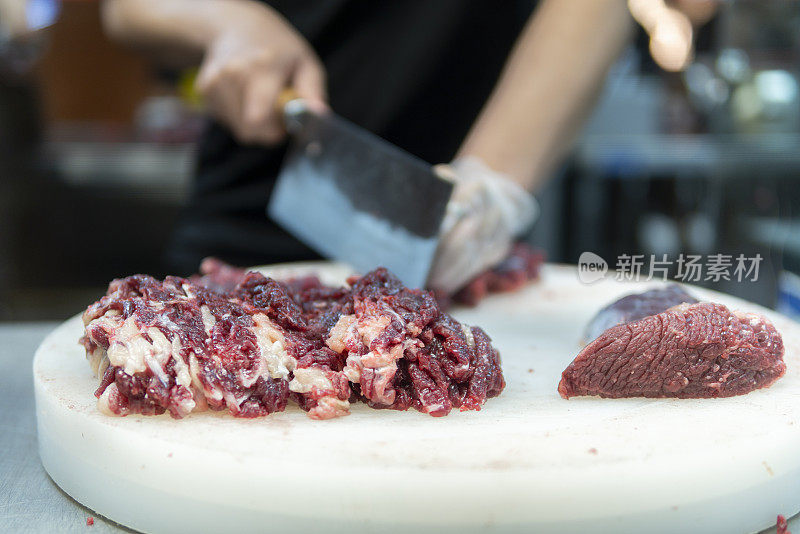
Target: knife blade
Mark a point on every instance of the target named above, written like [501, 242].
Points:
[356, 198]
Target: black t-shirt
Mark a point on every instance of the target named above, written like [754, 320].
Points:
[415, 72]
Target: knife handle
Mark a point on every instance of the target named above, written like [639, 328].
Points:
[291, 107]
[286, 95]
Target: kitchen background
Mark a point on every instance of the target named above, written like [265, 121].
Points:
[96, 153]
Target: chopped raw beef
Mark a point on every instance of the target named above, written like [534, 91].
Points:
[176, 346]
[781, 526]
[183, 346]
[402, 351]
[520, 267]
[637, 306]
[218, 276]
[688, 351]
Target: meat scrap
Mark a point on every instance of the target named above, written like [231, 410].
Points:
[520, 267]
[781, 526]
[698, 350]
[182, 345]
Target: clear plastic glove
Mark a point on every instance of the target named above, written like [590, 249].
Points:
[486, 212]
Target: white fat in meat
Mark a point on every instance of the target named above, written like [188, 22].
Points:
[208, 319]
[308, 379]
[209, 391]
[341, 331]
[277, 361]
[376, 369]
[317, 382]
[98, 361]
[329, 407]
[109, 404]
[137, 350]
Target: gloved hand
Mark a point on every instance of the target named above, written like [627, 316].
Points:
[486, 212]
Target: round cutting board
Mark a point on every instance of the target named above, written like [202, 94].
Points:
[529, 461]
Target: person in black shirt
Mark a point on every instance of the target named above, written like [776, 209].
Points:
[496, 88]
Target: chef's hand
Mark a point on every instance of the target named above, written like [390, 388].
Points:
[245, 67]
[486, 212]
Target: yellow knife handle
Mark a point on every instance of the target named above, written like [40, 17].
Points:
[285, 96]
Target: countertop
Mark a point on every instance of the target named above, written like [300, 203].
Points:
[29, 500]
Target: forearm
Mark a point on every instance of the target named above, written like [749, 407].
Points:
[177, 27]
[547, 86]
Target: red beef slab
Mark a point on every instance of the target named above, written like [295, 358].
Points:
[697, 350]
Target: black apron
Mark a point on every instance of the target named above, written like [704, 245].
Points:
[415, 72]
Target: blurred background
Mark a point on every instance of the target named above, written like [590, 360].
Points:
[699, 157]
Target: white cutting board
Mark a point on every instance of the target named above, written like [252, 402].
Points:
[529, 461]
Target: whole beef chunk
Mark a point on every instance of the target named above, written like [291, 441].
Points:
[637, 306]
[689, 351]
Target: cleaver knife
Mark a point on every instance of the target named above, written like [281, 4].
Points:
[356, 198]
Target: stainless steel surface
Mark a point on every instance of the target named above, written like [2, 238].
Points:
[690, 155]
[162, 172]
[356, 198]
[29, 501]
